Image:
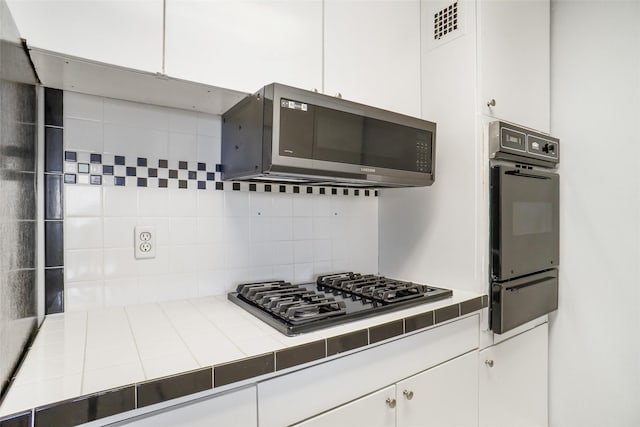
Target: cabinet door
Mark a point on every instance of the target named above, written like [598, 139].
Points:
[125, 33]
[372, 410]
[372, 53]
[446, 395]
[244, 45]
[237, 408]
[513, 58]
[513, 381]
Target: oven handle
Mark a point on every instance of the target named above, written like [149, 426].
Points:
[526, 175]
[515, 288]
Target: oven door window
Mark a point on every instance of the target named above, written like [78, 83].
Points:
[525, 223]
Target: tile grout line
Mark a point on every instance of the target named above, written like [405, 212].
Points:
[164, 313]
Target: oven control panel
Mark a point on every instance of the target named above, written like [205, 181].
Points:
[519, 144]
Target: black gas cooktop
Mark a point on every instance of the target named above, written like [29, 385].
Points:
[333, 299]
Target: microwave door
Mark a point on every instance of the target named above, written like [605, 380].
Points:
[524, 221]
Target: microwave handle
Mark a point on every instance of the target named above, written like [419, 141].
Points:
[526, 175]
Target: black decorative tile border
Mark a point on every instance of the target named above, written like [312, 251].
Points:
[114, 401]
[117, 170]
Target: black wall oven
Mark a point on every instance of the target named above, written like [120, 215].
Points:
[524, 225]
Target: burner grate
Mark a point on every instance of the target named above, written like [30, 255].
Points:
[376, 288]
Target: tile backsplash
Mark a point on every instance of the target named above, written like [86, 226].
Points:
[137, 164]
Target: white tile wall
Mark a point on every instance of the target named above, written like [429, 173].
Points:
[208, 241]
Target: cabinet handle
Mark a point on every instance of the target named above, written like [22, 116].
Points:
[408, 394]
[391, 403]
[489, 363]
[491, 103]
[339, 95]
[315, 89]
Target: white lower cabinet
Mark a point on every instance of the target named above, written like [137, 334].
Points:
[513, 381]
[236, 408]
[446, 395]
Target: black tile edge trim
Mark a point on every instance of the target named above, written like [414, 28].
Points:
[346, 342]
[20, 419]
[54, 290]
[53, 244]
[419, 321]
[470, 306]
[86, 408]
[301, 354]
[53, 152]
[485, 301]
[386, 331]
[53, 197]
[167, 388]
[53, 108]
[446, 313]
[243, 369]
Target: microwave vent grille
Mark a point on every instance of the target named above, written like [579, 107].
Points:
[445, 21]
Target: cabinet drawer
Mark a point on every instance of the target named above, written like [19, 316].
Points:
[299, 395]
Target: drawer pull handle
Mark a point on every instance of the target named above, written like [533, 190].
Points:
[489, 363]
[391, 403]
[408, 394]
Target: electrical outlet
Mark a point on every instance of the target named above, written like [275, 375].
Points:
[144, 242]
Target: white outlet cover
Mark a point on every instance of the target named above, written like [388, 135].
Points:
[144, 242]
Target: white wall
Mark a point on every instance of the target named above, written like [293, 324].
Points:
[208, 240]
[594, 346]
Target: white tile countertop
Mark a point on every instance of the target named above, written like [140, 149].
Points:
[80, 353]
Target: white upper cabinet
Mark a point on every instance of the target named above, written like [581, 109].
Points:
[513, 61]
[125, 33]
[244, 45]
[372, 53]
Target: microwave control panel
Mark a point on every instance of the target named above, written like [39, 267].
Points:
[512, 142]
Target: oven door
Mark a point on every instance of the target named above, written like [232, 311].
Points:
[524, 221]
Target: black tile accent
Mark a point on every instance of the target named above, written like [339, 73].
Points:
[83, 168]
[152, 172]
[160, 390]
[296, 189]
[53, 244]
[323, 191]
[347, 342]
[202, 166]
[252, 187]
[119, 180]
[447, 313]
[470, 306]
[70, 156]
[283, 189]
[173, 174]
[300, 354]
[218, 167]
[95, 158]
[69, 178]
[418, 321]
[356, 192]
[267, 188]
[142, 182]
[345, 191]
[376, 193]
[53, 109]
[22, 419]
[119, 160]
[95, 179]
[86, 408]
[54, 290]
[202, 185]
[53, 197]
[334, 191]
[219, 186]
[485, 301]
[183, 184]
[366, 193]
[211, 176]
[182, 165]
[236, 186]
[131, 171]
[309, 190]
[142, 161]
[193, 175]
[386, 331]
[163, 183]
[163, 164]
[53, 149]
[107, 170]
[243, 369]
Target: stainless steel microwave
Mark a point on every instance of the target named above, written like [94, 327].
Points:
[285, 134]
